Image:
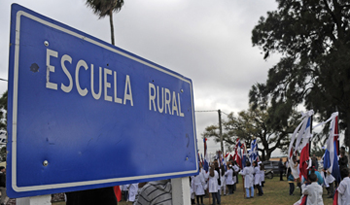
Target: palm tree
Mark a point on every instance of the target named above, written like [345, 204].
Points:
[106, 7]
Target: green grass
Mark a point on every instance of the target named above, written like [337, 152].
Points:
[275, 193]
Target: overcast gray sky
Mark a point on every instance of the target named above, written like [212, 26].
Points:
[206, 41]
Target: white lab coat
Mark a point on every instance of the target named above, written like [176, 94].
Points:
[213, 182]
[248, 172]
[314, 192]
[133, 188]
[235, 168]
[262, 175]
[257, 178]
[125, 187]
[229, 178]
[344, 191]
[295, 169]
[198, 184]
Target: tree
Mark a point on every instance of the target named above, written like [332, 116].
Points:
[252, 124]
[3, 122]
[314, 41]
[3, 111]
[106, 8]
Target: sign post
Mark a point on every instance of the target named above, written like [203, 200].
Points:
[83, 114]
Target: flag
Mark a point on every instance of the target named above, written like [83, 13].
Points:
[305, 152]
[226, 155]
[299, 140]
[330, 162]
[223, 162]
[117, 192]
[253, 155]
[336, 197]
[206, 159]
[244, 156]
[304, 156]
[199, 159]
[238, 154]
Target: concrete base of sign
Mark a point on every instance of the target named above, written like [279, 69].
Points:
[34, 200]
[181, 191]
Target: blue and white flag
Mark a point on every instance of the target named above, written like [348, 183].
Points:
[330, 161]
[253, 154]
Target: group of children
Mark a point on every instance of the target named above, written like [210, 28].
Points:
[254, 176]
[311, 191]
[217, 179]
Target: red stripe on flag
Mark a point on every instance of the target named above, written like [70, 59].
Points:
[304, 156]
[118, 193]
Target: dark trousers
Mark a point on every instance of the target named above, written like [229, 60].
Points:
[260, 191]
[125, 195]
[230, 189]
[291, 188]
[215, 197]
[281, 175]
[200, 197]
[219, 197]
[299, 185]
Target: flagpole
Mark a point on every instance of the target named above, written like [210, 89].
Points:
[243, 187]
[220, 129]
[311, 120]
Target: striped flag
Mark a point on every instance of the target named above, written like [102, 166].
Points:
[206, 159]
[238, 153]
[253, 151]
[300, 142]
[305, 152]
[330, 162]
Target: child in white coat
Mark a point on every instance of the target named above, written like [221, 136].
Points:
[198, 184]
[344, 187]
[133, 188]
[229, 179]
[247, 173]
[314, 191]
[213, 184]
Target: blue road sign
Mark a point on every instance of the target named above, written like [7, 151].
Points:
[84, 114]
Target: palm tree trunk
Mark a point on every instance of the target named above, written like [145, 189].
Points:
[111, 24]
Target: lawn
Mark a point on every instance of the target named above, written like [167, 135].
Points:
[275, 192]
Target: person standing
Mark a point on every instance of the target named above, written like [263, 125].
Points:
[314, 191]
[248, 172]
[125, 192]
[257, 178]
[236, 170]
[133, 188]
[223, 180]
[344, 187]
[198, 184]
[343, 159]
[229, 179]
[3, 185]
[281, 169]
[213, 184]
[290, 179]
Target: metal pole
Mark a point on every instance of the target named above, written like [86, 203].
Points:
[310, 142]
[220, 127]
